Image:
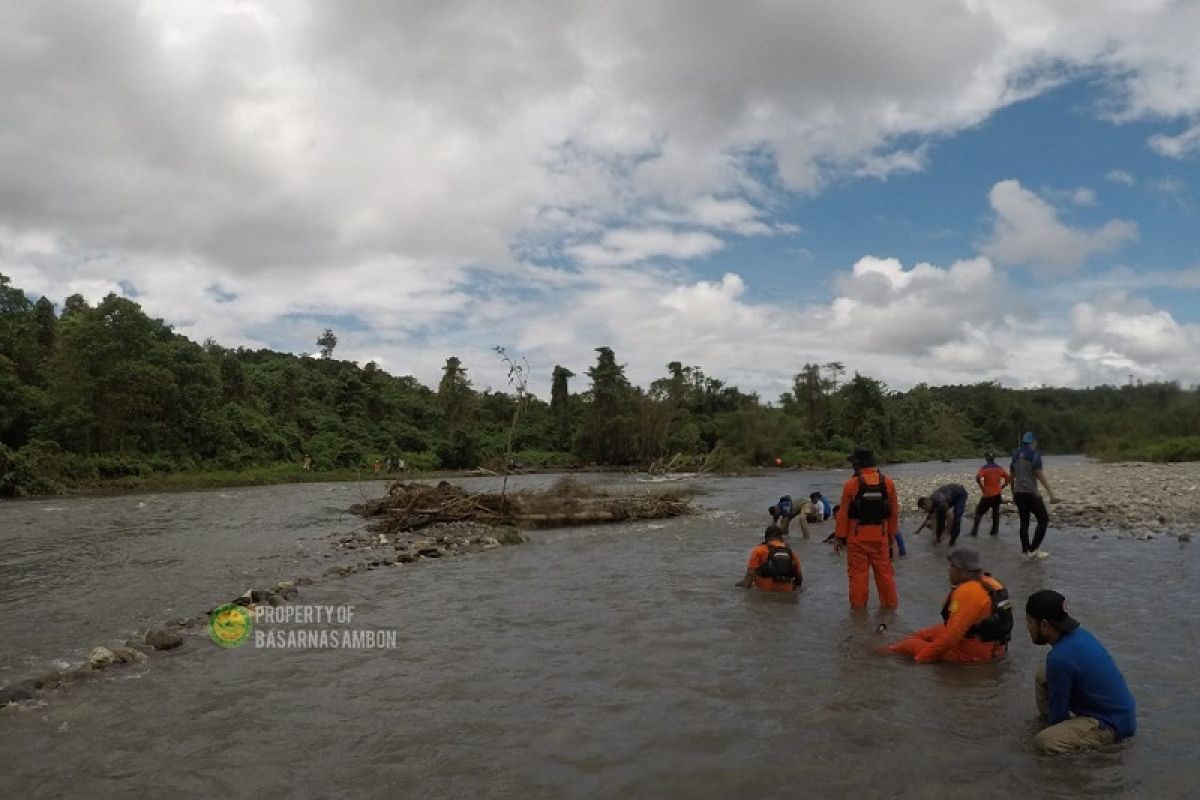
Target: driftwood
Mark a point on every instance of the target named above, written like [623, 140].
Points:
[412, 506]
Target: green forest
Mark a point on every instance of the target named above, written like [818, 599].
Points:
[106, 396]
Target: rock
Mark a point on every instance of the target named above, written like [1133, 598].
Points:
[488, 542]
[289, 595]
[100, 657]
[140, 644]
[431, 552]
[304, 580]
[283, 586]
[1185, 537]
[17, 693]
[338, 572]
[161, 638]
[48, 680]
[129, 655]
[405, 558]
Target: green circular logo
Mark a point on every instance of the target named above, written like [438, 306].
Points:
[230, 625]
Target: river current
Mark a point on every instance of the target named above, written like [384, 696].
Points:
[607, 662]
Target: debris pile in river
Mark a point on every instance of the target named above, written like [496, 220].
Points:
[412, 506]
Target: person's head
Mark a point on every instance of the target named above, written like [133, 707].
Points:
[774, 532]
[965, 565]
[1046, 617]
[861, 457]
[925, 503]
[989, 456]
[1029, 439]
[815, 496]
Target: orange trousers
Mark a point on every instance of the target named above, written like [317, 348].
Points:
[966, 651]
[873, 555]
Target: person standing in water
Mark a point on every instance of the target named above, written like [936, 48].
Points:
[868, 520]
[1027, 473]
[991, 480]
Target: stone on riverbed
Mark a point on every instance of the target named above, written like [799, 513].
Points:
[100, 657]
[161, 638]
[17, 693]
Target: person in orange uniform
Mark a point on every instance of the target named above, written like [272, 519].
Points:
[991, 479]
[773, 567]
[868, 520]
[977, 619]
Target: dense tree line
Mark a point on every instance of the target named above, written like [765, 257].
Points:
[103, 392]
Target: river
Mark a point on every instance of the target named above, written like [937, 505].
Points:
[593, 662]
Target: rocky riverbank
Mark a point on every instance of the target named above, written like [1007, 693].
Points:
[353, 553]
[1129, 498]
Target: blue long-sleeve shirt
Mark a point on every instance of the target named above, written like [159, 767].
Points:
[1082, 679]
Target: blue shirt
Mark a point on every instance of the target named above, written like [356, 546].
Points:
[1083, 680]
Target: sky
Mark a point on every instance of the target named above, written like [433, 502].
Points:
[937, 191]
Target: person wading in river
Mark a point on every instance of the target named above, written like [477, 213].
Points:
[977, 619]
[1079, 689]
[868, 520]
[1026, 469]
[783, 512]
[991, 479]
[949, 501]
[773, 567]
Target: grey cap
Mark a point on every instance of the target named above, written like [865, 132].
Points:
[966, 559]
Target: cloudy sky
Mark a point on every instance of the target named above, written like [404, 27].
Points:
[936, 190]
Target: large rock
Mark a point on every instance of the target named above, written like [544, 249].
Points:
[100, 657]
[161, 638]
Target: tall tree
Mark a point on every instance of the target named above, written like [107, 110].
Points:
[327, 341]
[560, 405]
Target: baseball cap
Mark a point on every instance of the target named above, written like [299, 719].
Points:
[1051, 606]
[964, 558]
[1028, 438]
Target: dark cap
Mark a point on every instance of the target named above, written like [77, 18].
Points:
[814, 496]
[774, 532]
[964, 558]
[1051, 606]
[861, 457]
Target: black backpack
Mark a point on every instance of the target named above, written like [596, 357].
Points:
[995, 627]
[871, 504]
[778, 566]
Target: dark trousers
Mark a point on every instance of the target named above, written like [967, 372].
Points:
[959, 510]
[992, 503]
[1029, 503]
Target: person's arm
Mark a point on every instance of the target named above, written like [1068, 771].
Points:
[967, 614]
[843, 519]
[924, 523]
[979, 480]
[799, 572]
[1041, 478]
[1058, 689]
[1005, 480]
[757, 556]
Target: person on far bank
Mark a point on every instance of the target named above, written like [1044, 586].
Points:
[783, 512]
[1027, 473]
[991, 480]
[1079, 689]
[977, 619]
[868, 520]
[946, 502]
[773, 567]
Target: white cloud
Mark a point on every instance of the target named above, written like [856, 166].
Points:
[1120, 176]
[1179, 146]
[1027, 231]
[1083, 196]
[1125, 333]
[636, 245]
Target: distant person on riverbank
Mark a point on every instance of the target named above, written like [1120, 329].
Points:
[1027, 473]
[783, 512]
[991, 480]
[819, 509]
[947, 503]
[868, 520]
[977, 619]
[1079, 689]
[773, 567]
[307, 465]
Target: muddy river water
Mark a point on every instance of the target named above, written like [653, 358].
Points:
[594, 662]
